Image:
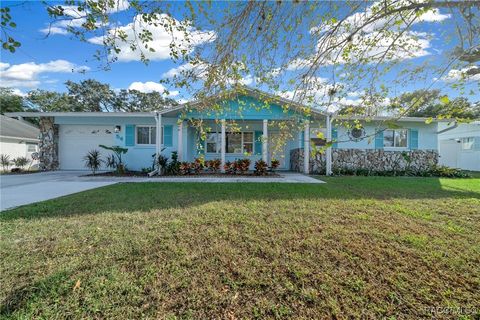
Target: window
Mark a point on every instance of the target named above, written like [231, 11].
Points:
[31, 147]
[236, 142]
[395, 138]
[146, 135]
[213, 145]
[467, 143]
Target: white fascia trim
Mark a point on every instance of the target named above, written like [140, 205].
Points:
[20, 138]
[80, 114]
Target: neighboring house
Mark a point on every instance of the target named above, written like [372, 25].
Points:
[67, 137]
[460, 147]
[18, 138]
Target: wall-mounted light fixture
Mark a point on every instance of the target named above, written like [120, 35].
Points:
[118, 129]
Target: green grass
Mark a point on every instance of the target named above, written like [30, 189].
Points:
[370, 247]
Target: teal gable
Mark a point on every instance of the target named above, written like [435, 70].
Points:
[246, 108]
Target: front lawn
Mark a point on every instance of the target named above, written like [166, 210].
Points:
[355, 247]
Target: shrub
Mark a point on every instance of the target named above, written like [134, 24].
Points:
[5, 161]
[184, 168]
[197, 165]
[174, 166]
[117, 151]
[93, 161]
[243, 165]
[213, 165]
[161, 163]
[260, 168]
[274, 164]
[21, 162]
[230, 167]
[111, 162]
[447, 172]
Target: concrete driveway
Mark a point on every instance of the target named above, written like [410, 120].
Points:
[20, 189]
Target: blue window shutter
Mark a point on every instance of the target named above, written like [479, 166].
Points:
[302, 139]
[379, 140]
[129, 135]
[168, 136]
[258, 142]
[413, 139]
[335, 137]
[476, 143]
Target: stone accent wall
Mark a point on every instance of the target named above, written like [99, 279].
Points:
[367, 159]
[48, 146]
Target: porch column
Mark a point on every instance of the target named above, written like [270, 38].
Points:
[265, 141]
[222, 147]
[328, 153]
[306, 148]
[159, 134]
[180, 141]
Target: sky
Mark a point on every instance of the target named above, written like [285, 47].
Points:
[47, 62]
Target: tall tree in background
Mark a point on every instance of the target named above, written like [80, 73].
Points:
[90, 95]
[134, 101]
[432, 104]
[9, 101]
[50, 101]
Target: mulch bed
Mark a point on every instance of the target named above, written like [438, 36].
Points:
[17, 173]
[200, 175]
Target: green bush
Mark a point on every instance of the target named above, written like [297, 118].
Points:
[260, 168]
[433, 171]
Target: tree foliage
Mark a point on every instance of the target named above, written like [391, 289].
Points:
[9, 101]
[432, 104]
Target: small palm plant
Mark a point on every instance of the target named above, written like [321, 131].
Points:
[21, 162]
[93, 161]
[5, 161]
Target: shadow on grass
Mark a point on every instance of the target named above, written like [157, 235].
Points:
[131, 197]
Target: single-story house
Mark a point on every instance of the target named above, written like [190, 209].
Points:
[18, 138]
[459, 147]
[244, 124]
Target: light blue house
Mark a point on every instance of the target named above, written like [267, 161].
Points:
[247, 124]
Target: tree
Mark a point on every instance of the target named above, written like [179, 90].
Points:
[133, 101]
[90, 95]
[9, 101]
[50, 101]
[323, 51]
[432, 104]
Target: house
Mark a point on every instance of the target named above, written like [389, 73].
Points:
[18, 138]
[241, 124]
[459, 147]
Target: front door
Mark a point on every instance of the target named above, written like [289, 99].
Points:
[276, 149]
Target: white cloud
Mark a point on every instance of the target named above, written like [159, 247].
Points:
[377, 40]
[198, 69]
[76, 18]
[151, 86]
[471, 73]
[163, 38]
[26, 75]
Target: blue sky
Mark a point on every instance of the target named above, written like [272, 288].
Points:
[46, 62]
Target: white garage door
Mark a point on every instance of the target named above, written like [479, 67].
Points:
[75, 141]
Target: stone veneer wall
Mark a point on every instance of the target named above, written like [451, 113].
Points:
[368, 159]
[48, 146]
